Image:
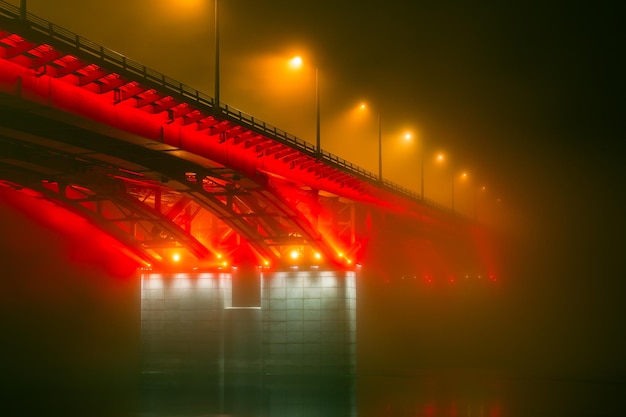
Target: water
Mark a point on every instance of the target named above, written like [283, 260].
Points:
[432, 393]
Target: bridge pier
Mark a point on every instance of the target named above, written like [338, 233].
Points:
[305, 324]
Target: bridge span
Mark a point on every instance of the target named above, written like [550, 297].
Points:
[180, 180]
[249, 241]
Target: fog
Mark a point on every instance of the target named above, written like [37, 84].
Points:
[519, 94]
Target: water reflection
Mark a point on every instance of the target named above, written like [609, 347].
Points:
[251, 395]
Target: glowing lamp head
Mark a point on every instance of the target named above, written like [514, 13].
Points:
[317, 256]
[176, 257]
[408, 136]
[296, 62]
[294, 254]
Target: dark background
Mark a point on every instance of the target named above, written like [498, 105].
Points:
[527, 94]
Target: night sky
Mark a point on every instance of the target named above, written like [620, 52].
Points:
[522, 94]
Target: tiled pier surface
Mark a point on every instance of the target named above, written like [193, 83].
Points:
[305, 324]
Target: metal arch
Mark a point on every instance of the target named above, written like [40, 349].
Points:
[255, 212]
[93, 185]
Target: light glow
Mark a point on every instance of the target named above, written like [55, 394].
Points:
[296, 62]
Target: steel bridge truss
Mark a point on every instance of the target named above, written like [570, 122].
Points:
[204, 209]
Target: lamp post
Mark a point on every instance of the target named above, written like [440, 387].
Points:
[217, 59]
[318, 146]
[22, 9]
[463, 176]
[380, 150]
[422, 167]
[296, 62]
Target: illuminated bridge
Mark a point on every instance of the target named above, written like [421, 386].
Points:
[187, 185]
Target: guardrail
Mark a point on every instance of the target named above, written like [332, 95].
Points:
[117, 62]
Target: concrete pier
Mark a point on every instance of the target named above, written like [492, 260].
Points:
[306, 324]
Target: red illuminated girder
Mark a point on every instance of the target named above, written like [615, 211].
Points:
[166, 103]
[232, 133]
[89, 74]
[263, 147]
[352, 183]
[320, 169]
[109, 83]
[64, 66]
[192, 117]
[245, 137]
[147, 97]
[307, 164]
[177, 208]
[337, 176]
[285, 153]
[40, 56]
[206, 122]
[14, 45]
[256, 141]
[294, 159]
[129, 90]
[180, 110]
[276, 150]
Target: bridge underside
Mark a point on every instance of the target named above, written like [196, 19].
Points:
[164, 170]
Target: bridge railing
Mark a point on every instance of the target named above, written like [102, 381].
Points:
[118, 62]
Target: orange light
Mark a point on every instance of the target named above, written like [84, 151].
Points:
[295, 254]
[176, 257]
[295, 62]
[318, 255]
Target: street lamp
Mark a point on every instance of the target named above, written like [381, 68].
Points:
[22, 9]
[297, 62]
[462, 176]
[441, 159]
[363, 107]
[217, 59]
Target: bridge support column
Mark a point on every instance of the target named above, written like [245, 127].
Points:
[182, 320]
[306, 324]
[309, 322]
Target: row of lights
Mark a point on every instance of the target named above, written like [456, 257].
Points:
[429, 279]
[296, 258]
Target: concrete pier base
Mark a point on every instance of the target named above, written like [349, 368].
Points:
[305, 325]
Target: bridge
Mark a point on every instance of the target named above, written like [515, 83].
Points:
[187, 185]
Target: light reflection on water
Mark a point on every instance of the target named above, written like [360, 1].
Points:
[440, 393]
